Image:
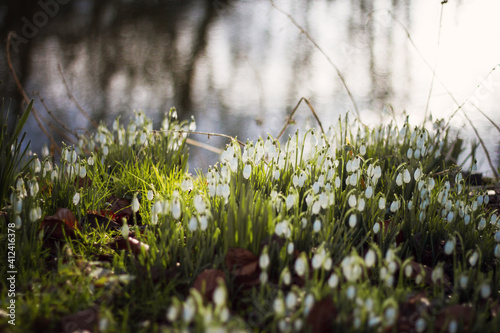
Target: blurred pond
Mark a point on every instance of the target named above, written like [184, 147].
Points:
[239, 67]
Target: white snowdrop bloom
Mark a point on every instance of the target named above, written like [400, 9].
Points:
[482, 224]
[485, 290]
[351, 292]
[337, 182]
[480, 200]
[220, 296]
[381, 203]
[225, 191]
[317, 261]
[263, 277]
[135, 204]
[175, 208]
[309, 302]
[353, 220]
[410, 204]
[76, 198]
[154, 218]
[233, 163]
[390, 315]
[486, 199]
[496, 251]
[18, 222]
[188, 310]
[420, 325]
[453, 326]
[295, 180]
[281, 228]
[417, 174]
[327, 264]
[316, 187]
[302, 179]
[353, 179]
[352, 200]
[376, 228]
[464, 281]
[362, 150]
[212, 189]
[317, 226]
[467, 219]
[193, 223]
[377, 172]
[474, 258]
[437, 274]
[300, 266]
[493, 218]
[203, 222]
[392, 266]
[449, 246]
[370, 258]
[187, 184]
[33, 215]
[199, 204]
[273, 195]
[369, 192]
[406, 176]
[316, 207]
[416, 154]
[105, 150]
[419, 278]
[309, 200]
[431, 183]
[264, 261]
[290, 247]
[474, 206]
[333, 280]
[361, 204]
[150, 195]
[409, 153]
[348, 166]
[276, 174]
[287, 277]
[450, 216]
[408, 271]
[399, 179]
[394, 206]
[323, 200]
[125, 230]
[54, 175]
[172, 313]
[291, 300]
[304, 222]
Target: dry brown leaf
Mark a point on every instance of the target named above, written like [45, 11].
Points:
[208, 281]
[322, 315]
[462, 314]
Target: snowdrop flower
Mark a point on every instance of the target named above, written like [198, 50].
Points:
[390, 315]
[377, 172]
[263, 277]
[333, 281]
[199, 204]
[287, 277]
[497, 251]
[449, 217]
[125, 230]
[361, 204]
[399, 179]
[76, 198]
[437, 274]
[279, 306]
[150, 195]
[172, 313]
[247, 170]
[409, 153]
[304, 222]
[351, 292]
[353, 179]
[188, 310]
[381, 203]
[220, 296]
[406, 176]
[474, 258]
[309, 302]
[482, 224]
[369, 192]
[370, 258]
[264, 261]
[317, 226]
[193, 223]
[290, 248]
[337, 182]
[290, 201]
[420, 325]
[291, 300]
[416, 154]
[353, 219]
[352, 200]
[480, 200]
[466, 219]
[485, 290]
[135, 204]
[464, 281]
[431, 183]
[187, 185]
[376, 228]
[452, 326]
[300, 266]
[417, 174]
[175, 208]
[394, 206]
[449, 247]
[302, 179]
[362, 150]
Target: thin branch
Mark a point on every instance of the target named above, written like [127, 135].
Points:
[25, 96]
[302, 30]
[82, 111]
[290, 117]
[435, 63]
[208, 134]
[204, 146]
[486, 116]
[57, 120]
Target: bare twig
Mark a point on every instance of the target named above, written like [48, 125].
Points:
[204, 146]
[290, 117]
[70, 94]
[339, 74]
[208, 134]
[486, 116]
[59, 122]
[435, 63]
[25, 96]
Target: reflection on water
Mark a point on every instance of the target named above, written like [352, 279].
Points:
[237, 66]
